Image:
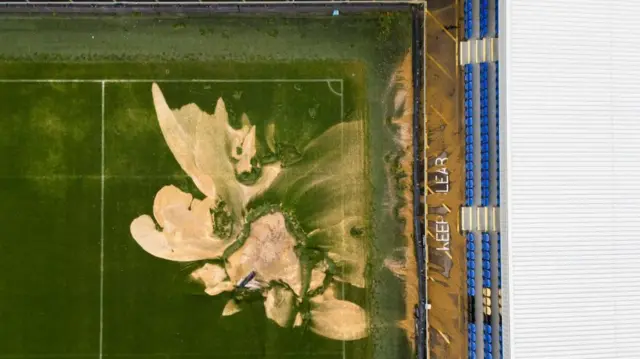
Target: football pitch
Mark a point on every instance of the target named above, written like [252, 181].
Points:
[85, 152]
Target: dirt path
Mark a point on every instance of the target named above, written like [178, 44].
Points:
[445, 195]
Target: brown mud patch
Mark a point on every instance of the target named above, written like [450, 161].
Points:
[269, 252]
[402, 122]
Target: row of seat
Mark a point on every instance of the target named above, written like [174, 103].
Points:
[484, 18]
[471, 291]
[499, 262]
[469, 141]
[497, 134]
[486, 300]
[486, 284]
[486, 261]
[471, 265]
[468, 19]
[495, 11]
[488, 339]
[500, 295]
[471, 329]
[484, 136]
[499, 244]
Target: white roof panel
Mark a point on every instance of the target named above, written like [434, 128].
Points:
[570, 111]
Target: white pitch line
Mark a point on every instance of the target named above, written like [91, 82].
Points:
[342, 98]
[108, 4]
[101, 229]
[57, 177]
[158, 80]
[334, 91]
[344, 343]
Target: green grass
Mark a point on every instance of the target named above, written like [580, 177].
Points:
[50, 208]
[51, 175]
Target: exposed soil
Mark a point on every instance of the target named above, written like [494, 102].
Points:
[405, 268]
[446, 271]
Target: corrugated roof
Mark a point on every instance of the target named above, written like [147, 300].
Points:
[571, 178]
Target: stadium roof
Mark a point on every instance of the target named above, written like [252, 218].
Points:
[570, 80]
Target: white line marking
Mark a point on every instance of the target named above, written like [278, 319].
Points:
[159, 80]
[101, 229]
[108, 4]
[334, 91]
[342, 98]
[344, 343]
[243, 354]
[56, 177]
